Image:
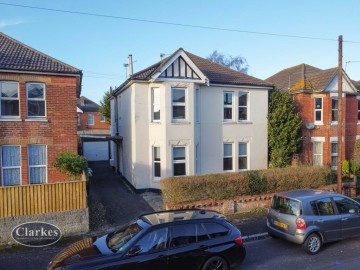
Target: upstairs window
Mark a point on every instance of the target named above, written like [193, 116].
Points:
[9, 99]
[334, 109]
[102, 118]
[90, 119]
[35, 93]
[37, 163]
[178, 104]
[10, 165]
[358, 109]
[155, 104]
[78, 120]
[318, 112]
[243, 107]
[228, 104]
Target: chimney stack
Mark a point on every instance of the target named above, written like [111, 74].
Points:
[130, 65]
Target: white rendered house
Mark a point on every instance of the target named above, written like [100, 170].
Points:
[186, 115]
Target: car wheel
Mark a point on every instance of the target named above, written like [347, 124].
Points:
[215, 263]
[272, 235]
[312, 244]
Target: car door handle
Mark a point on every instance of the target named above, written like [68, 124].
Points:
[344, 219]
[320, 220]
[202, 247]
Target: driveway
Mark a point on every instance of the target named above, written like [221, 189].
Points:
[111, 190]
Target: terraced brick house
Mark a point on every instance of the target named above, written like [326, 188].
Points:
[316, 94]
[186, 115]
[38, 113]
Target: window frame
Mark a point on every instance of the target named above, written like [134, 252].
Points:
[178, 104]
[318, 122]
[242, 156]
[333, 154]
[78, 119]
[154, 161]
[102, 118]
[358, 110]
[321, 155]
[243, 106]
[334, 122]
[35, 99]
[93, 119]
[182, 161]
[227, 157]
[38, 166]
[154, 103]
[228, 106]
[9, 98]
[10, 167]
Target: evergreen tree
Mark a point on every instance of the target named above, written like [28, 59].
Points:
[284, 128]
[105, 109]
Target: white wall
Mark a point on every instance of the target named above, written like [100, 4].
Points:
[140, 134]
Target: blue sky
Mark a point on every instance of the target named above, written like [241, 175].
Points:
[100, 46]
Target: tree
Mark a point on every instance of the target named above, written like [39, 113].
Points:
[105, 109]
[237, 63]
[284, 128]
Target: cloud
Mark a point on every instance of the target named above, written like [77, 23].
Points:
[5, 23]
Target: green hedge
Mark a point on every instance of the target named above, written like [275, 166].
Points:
[227, 185]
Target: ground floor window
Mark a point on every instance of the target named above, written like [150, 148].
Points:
[318, 153]
[10, 165]
[179, 160]
[228, 157]
[334, 155]
[37, 164]
[243, 158]
[157, 162]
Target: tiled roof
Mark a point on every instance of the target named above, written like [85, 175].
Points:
[88, 105]
[219, 74]
[357, 85]
[216, 73]
[292, 78]
[16, 56]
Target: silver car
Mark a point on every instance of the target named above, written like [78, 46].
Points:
[313, 217]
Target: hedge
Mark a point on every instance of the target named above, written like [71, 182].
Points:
[227, 185]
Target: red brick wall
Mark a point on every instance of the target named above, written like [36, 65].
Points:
[305, 105]
[58, 131]
[97, 124]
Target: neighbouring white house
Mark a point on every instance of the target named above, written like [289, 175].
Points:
[186, 115]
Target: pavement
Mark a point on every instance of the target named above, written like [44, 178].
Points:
[123, 204]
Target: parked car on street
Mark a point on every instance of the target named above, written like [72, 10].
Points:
[313, 217]
[180, 239]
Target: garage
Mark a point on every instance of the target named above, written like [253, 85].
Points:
[96, 150]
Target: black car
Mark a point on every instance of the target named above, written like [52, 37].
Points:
[186, 239]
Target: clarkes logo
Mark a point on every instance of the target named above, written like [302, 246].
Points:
[36, 234]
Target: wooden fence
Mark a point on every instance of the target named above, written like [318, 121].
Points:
[40, 199]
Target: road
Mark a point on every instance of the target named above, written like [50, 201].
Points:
[272, 254]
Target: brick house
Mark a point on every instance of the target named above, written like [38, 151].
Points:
[89, 118]
[316, 94]
[38, 113]
[92, 130]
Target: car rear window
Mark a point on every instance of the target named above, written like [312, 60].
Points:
[286, 205]
[215, 230]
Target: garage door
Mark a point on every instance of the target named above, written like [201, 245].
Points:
[94, 151]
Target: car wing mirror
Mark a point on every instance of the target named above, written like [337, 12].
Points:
[134, 251]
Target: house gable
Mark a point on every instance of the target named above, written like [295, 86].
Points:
[179, 67]
[348, 86]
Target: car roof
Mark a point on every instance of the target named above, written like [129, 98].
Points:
[304, 194]
[179, 215]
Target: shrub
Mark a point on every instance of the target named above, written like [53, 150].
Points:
[228, 185]
[71, 164]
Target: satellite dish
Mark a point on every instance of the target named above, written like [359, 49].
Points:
[309, 125]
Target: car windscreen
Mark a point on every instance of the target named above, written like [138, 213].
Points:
[118, 239]
[286, 205]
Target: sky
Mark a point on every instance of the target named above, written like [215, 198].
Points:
[100, 45]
